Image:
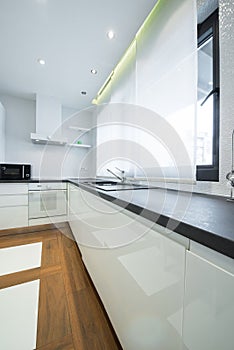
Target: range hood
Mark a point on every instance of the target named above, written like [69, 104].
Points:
[48, 122]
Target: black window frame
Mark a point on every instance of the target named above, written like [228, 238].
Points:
[211, 172]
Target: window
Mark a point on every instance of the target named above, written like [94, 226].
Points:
[207, 152]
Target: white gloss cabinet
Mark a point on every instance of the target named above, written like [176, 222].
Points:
[138, 272]
[13, 205]
[208, 306]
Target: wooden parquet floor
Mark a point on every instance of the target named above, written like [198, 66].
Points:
[71, 315]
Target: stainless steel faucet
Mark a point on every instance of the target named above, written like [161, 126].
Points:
[230, 175]
[121, 178]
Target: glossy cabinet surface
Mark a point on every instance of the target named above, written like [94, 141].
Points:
[13, 205]
[138, 272]
[209, 306]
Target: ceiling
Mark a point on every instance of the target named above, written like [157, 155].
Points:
[70, 35]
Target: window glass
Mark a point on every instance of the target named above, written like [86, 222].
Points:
[205, 108]
[207, 145]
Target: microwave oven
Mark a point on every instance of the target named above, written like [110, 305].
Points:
[15, 171]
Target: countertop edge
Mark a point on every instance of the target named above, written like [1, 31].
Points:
[213, 241]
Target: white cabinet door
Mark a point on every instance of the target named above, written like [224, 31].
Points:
[141, 286]
[209, 306]
[13, 205]
[13, 217]
[97, 223]
[141, 281]
[13, 188]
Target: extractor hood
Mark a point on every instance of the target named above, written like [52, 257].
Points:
[48, 122]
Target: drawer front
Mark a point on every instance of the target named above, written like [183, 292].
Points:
[14, 188]
[13, 200]
[45, 186]
[13, 217]
[47, 220]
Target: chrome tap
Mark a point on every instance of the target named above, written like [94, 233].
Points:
[230, 175]
[121, 178]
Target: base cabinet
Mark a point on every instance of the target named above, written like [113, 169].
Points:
[11, 217]
[13, 205]
[209, 306]
[138, 272]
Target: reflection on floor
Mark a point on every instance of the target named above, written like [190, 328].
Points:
[70, 314]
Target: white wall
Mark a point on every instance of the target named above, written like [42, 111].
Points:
[2, 133]
[47, 161]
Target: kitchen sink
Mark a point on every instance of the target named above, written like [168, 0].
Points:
[115, 186]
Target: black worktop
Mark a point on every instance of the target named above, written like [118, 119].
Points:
[33, 180]
[206, 219]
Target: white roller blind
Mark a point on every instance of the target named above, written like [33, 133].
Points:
[151, 98]
[166, 78]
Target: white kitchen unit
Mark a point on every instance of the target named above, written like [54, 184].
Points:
[13, 205]
[209, 301]
[47, 202]
[138, 272]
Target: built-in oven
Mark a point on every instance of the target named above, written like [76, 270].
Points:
[10, 171]
[47, 199]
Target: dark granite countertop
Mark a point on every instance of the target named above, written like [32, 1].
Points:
[33, 180]
[206, 219]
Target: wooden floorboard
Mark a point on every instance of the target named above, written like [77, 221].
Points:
[27, 238]
[63, 344]
[74, 274]
[53, 317]
[71, 315]
[36, 228]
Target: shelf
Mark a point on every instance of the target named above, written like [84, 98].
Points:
[79, 145]
[77, 128]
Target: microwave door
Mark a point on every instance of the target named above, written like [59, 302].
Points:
[12, 172]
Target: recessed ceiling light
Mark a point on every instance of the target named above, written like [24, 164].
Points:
[41, 61]
[83, 92]
[93, 71]
[110, 34]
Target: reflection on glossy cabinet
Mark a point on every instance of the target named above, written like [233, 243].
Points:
[141, 286]
[13, 205]
[138, 272]
[209, 306]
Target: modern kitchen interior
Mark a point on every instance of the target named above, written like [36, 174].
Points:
[117, 175]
